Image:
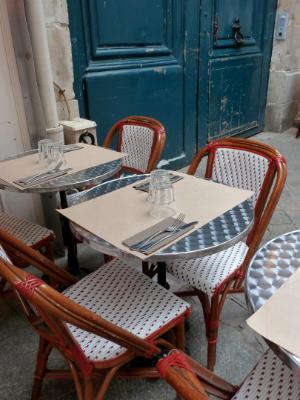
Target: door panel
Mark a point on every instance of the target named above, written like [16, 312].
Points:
[234, 94]
[127, 92]
[135, 22]
[142, 58]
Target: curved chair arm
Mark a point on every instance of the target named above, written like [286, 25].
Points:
[110, 135]
[197, 159]
[185, 383]
[36, 259]
[190, 379]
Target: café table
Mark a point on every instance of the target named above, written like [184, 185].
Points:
[270, 268]
[217, 235]
[79, 180]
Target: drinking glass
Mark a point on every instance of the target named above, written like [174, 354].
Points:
[42, 151]
[161, 194]
[55, 154]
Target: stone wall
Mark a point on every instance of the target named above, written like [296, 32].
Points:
[284, 84]
[57, 24]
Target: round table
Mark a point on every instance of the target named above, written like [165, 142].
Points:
[217, 235]
[270, 268]
[89, 176]
[78, 180]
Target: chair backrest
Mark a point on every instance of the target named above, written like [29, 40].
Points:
[49, 312]
[251, 165]
[142, 138]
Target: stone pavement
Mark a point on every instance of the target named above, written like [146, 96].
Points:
[238, 350]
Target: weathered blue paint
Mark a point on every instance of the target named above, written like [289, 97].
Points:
[141, 58]
[159, 58]
[235, 77]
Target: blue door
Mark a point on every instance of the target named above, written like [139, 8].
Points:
[234, 69]
[198, 66]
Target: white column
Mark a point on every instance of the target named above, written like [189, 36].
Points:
[37, 29]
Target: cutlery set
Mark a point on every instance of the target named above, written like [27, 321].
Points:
[173, 229]
[44, 176]
[163, 233]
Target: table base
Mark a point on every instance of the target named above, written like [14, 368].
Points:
[158, 269]
[73, 264]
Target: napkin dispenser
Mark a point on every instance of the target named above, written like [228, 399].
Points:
[80, 130]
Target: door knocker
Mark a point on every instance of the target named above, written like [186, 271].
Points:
[237, 34]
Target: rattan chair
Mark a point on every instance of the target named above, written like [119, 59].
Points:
[244, 164]
[270, 379]
[142, 138]
[33, 235]
[99, 324]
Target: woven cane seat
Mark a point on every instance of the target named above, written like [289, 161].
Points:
[127, 298]
[208, 273]
[271, 379]
[29, 233]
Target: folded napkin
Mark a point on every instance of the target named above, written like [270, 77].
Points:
[144, 186]
[170, 237]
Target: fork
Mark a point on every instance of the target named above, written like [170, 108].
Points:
[169, 229]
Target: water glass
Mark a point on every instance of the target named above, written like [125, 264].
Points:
[42, 151]
[55, 154]
[161, 194]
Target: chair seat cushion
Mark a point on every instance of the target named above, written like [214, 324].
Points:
[271, 379]
[208, 273]
[127, 298]
[29, 233]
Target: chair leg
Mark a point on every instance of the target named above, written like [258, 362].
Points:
[106, 382]
[88, 389]
[41, 363]
[205, 302]
[180, 336]
[212, 309]
[212, 330]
